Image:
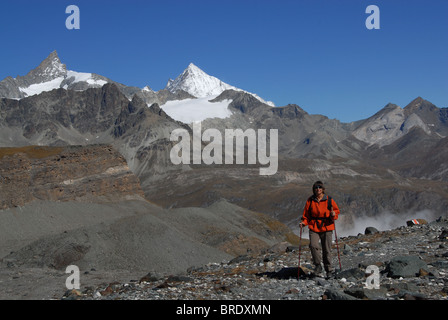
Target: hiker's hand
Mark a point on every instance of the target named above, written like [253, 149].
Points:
[301, 224]
[333, 214]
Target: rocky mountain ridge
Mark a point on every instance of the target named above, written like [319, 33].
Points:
[50, 74]
[53, 74]
[393, 122]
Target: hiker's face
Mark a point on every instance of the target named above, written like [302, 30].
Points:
[318, 190]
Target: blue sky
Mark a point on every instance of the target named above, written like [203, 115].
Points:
[314, 53]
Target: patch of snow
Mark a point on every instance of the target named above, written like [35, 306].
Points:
[85, 77]
[38, 88]
[41, 87]
[195, 110]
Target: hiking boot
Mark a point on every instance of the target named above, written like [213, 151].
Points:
[331, 274]
[318, 270]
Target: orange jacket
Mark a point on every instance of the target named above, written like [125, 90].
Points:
[317, 216]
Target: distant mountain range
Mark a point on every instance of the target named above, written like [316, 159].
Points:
[53, 74]
[393, 161]
[50, 74]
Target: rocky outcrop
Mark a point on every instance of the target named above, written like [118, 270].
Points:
[64, 174]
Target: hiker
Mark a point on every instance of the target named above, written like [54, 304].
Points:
[319, 215]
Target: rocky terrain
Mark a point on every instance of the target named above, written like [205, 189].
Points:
[83, 205]
[412, 262]
[111, 241]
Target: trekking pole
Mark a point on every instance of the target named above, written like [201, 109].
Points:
[330, 207]
[300, 251]
[337, 246]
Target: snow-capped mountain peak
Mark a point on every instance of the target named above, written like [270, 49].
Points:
[49, 75]
[49, 69]
[147, 89]
[195, 69]
[52, 74]
[199, 84]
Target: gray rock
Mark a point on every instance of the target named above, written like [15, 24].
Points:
[347, 249]
[152, 276]
[334, 294]
[356, 273]
[371, 230]
[367, 294]
[444, 235]
[442, 264]
[405, 266]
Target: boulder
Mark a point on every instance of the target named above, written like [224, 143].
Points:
[355, 273]
[367, 294]
[371, 230]
[405, 266]
[152, 277]
[334, 294]
[444, 235]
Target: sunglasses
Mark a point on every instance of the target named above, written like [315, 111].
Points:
[318, 187]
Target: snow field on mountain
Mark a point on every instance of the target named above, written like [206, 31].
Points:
[38, 88]
[85, 77]
[193, 110]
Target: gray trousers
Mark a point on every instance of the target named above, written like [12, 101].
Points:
[326, 239]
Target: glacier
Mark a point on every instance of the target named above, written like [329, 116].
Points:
[195, 110]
